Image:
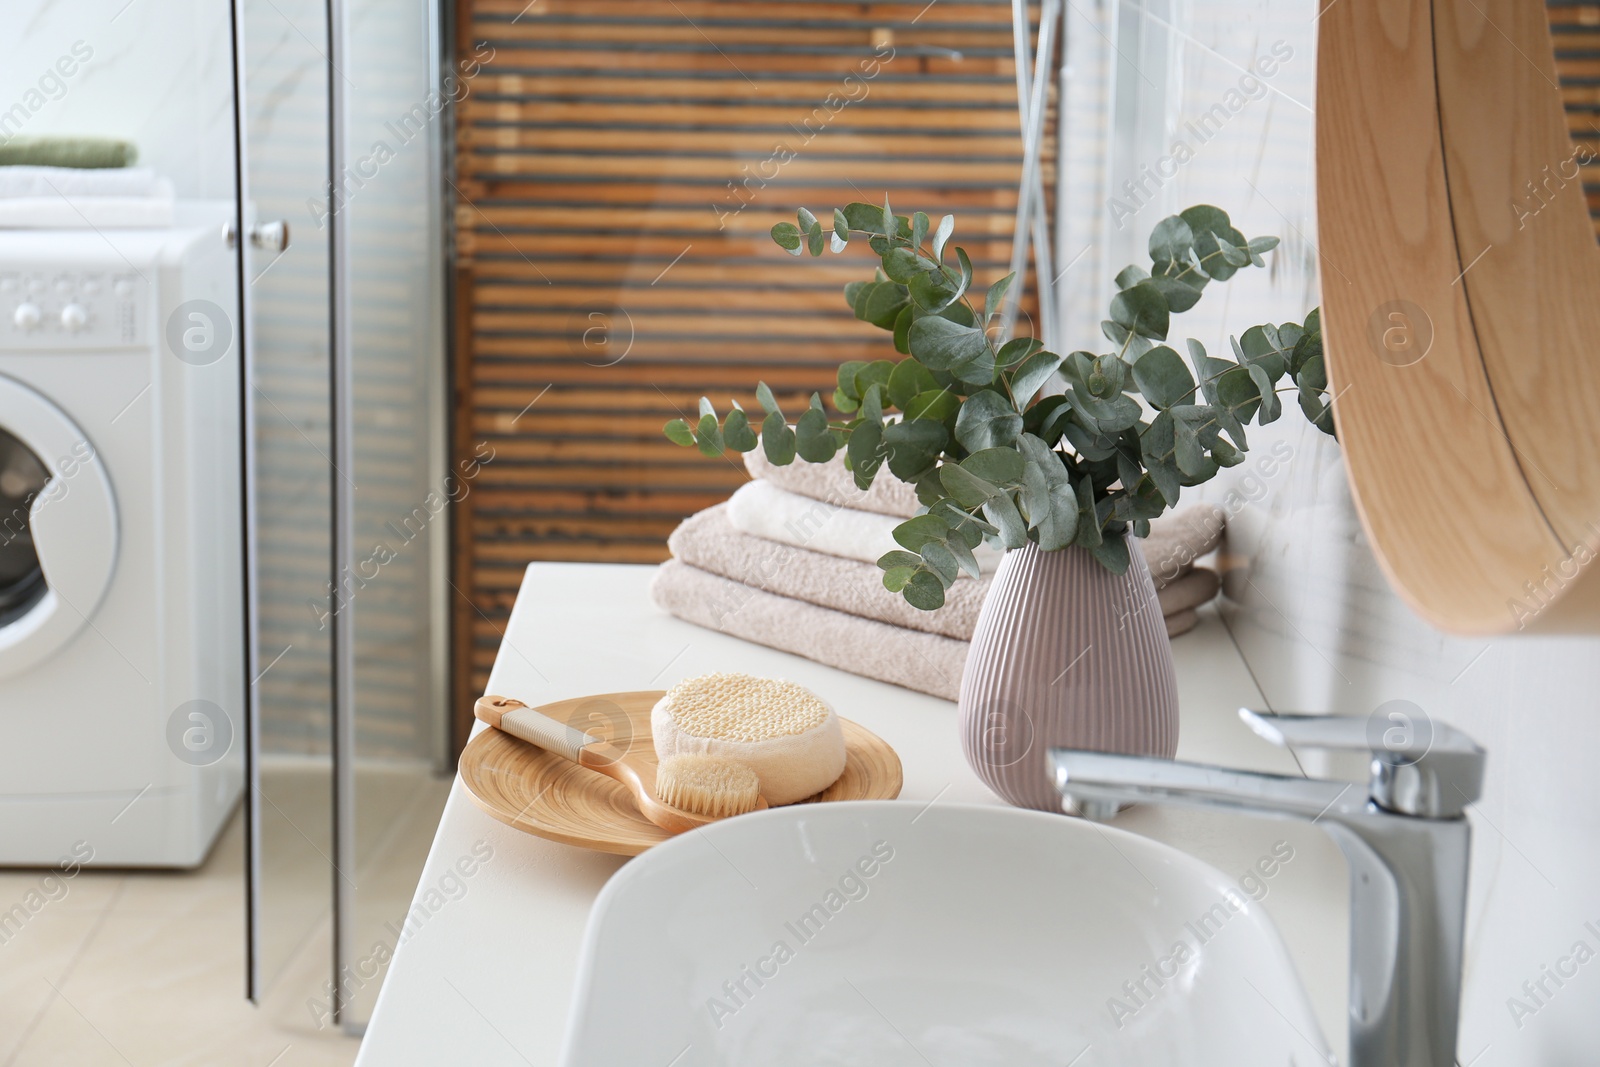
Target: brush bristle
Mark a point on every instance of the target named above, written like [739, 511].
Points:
[713, 786]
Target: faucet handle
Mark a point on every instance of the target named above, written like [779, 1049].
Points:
[1427, 769]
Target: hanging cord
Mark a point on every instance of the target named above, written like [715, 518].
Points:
[1033, 93]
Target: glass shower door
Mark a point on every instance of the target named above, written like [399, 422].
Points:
[289, 436]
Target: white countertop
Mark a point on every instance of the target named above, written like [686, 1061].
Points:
[485, 975]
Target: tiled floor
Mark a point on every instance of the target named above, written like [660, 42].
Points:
[136, 969]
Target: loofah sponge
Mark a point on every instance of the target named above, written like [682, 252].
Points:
[782, 731]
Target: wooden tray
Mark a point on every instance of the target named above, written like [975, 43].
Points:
[550, 797]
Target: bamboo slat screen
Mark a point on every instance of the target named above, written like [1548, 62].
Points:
[1575, 29]
[619, 163]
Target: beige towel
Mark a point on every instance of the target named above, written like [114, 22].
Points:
[1181, 622]
[1188, 592]
[710, 542]
[1179, 538]
[764, 510]
[831, 482]
[925, 662]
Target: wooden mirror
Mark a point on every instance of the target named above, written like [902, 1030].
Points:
[1461, 305]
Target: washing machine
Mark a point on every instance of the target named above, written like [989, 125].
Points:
[121, 564]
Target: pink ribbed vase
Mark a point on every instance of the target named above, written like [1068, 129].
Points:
[1065, 654]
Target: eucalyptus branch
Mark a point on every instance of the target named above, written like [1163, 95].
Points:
[993, 462]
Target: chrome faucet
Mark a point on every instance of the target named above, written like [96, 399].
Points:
[1406, 840]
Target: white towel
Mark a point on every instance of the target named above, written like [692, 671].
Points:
[761, 509]
[85, 213]
[833, 483]
[74, 198]
[56, 182]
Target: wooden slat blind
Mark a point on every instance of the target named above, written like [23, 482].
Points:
[1575, 30]
[619, 163]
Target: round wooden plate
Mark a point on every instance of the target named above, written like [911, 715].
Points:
[550, 797]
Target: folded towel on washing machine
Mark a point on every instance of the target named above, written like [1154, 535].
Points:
[82, 152]
[66, 198]
[72, 182]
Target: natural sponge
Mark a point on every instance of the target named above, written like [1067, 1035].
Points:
[784, 732]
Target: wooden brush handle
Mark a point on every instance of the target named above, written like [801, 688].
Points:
[638, 776]
[525, 724]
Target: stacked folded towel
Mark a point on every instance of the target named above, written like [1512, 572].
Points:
[790, 562]
[68, 152]
[68, 193]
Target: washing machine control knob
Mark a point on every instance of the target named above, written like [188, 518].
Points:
[27, 316]
[74, 317]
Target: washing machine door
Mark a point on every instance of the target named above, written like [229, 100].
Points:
[58, 528]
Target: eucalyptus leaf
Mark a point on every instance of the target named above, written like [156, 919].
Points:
[875, 373]
[947, 226]
[736, 432]
[855, 294]
[788, 237]
[1034, 372]
[907, 380]
[678, 432]
[1113, 554]
[1142, 309]
[1003, 513]
[933, 290]
[1271, 407]
[903, 264]
[924, 591]
[866, 452]
[895, 578]
[846, 377]
[898, 558]
[943, 562]
[916, 532]
[941, 344]
[811, 437]
[708, 436]
[996, 295]
[902, 329]
[913, 446]
[883, 304]
[1163, 377]
[966, 272]
[866, 218]
[1088, 534]
[940, 405]
[1171, 240]
[966, 488]
[777, 439]
[999, 466]
[987, 420]
[1130, 276]
[964, 557]
[764, 396]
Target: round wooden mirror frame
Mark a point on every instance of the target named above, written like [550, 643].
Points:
[1461, 309]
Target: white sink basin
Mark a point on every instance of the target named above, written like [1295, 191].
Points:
[885, 933]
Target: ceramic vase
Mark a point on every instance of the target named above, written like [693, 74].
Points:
[1066, 654]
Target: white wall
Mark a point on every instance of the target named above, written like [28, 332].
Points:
[156, 72]
[1313, 616]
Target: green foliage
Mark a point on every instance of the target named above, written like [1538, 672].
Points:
[1008, 442]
